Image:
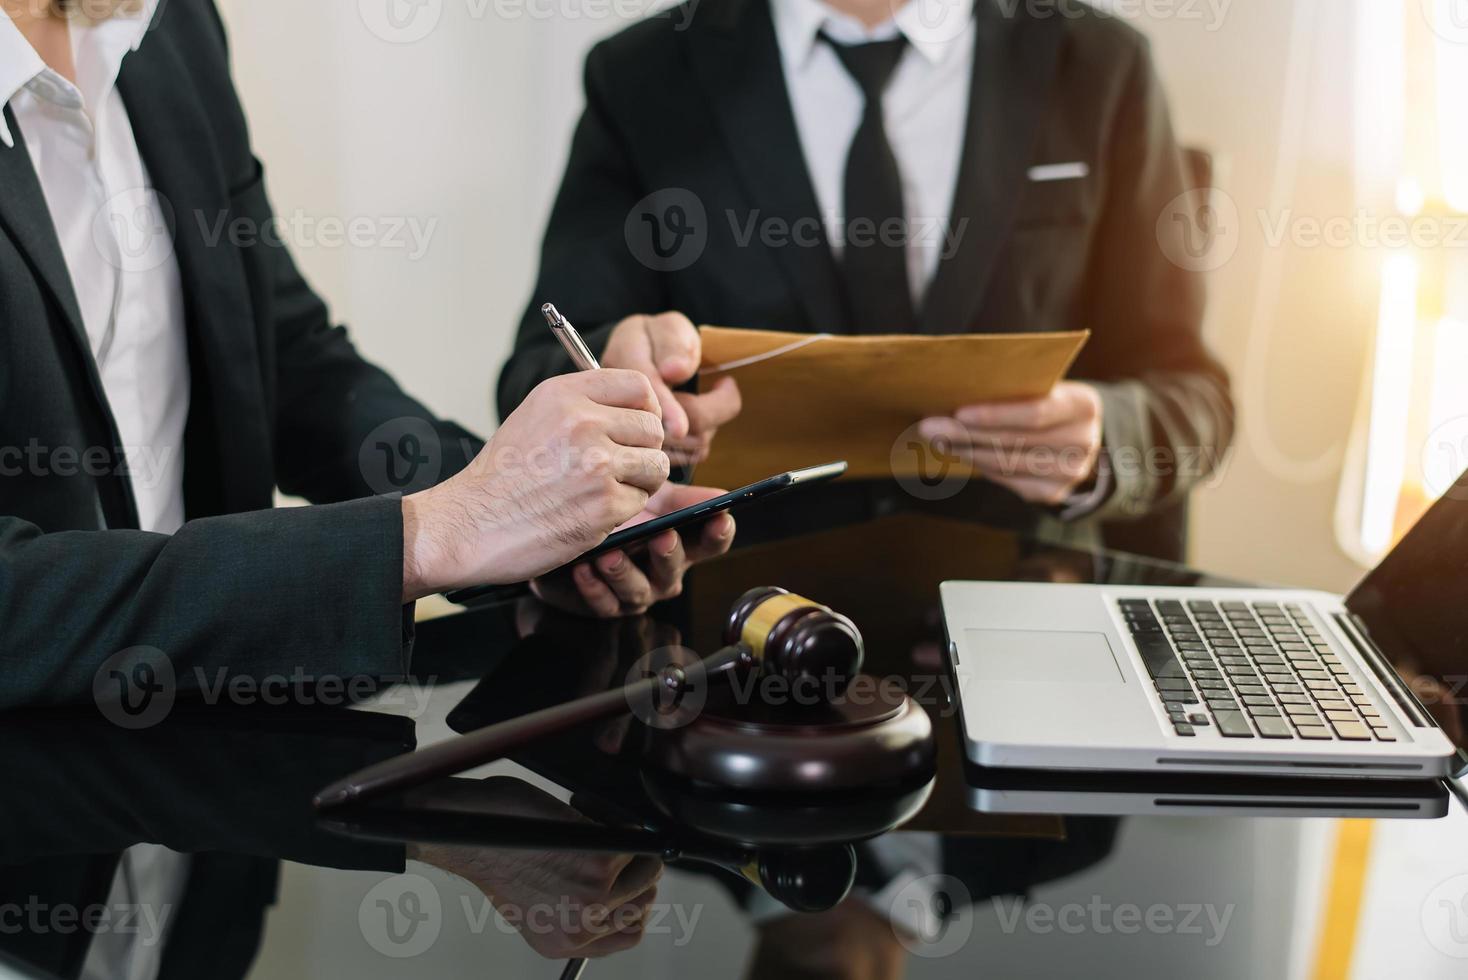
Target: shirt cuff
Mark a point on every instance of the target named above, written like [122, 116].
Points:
[1082, 503]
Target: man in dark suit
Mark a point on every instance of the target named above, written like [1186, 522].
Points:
[164, 367]
[863, 166]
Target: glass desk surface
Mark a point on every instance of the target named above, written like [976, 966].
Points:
[993, 874]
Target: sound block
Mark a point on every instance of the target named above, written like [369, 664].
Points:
[873, 735]
[787, 820]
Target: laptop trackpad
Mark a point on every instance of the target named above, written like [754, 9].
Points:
[1041, 657]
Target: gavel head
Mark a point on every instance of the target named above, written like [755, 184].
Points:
[794, 637]
[806, 879]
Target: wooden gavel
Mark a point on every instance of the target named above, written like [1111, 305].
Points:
[873, 745]
[769, 629]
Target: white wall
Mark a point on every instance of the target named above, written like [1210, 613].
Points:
[1272, 92]
[465, 130]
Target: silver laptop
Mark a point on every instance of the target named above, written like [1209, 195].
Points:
[1112, 794]
[1262, 681]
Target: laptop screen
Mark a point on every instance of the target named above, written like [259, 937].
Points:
[1415, 606]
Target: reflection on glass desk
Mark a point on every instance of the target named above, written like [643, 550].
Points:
[1009, 875]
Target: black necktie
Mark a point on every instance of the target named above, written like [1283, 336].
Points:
[874, 256]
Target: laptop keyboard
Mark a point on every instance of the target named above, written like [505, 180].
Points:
[1252, 670]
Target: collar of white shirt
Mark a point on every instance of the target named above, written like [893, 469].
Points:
[97, 47]
[798, 24]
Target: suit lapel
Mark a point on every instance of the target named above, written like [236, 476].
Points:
[26, 218]
[737, 61]
[177, 145]
[24, 215]
[1014, 69]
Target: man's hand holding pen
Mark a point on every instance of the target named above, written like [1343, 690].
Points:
[581, 457]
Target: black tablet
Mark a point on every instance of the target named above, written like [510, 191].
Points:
[629, 538]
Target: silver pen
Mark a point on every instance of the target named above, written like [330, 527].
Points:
[583, 360]
[580, 354]
[575, 347]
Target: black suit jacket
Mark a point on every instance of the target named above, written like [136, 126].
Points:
[279, 398]
[693, 106]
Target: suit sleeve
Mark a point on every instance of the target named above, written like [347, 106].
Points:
[586, 266]
[312, 590]
[1168, 413]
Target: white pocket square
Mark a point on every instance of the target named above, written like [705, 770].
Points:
[1060, 171]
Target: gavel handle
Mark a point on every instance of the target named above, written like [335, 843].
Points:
[477, 748]
[573, 970]
[493, 742]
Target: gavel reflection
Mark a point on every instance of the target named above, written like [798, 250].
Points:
[769, 629]
[806, 783]
[811, 878]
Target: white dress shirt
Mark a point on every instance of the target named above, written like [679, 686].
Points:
[115, 242]
[925, 111]
[924, 108]
[120, 256]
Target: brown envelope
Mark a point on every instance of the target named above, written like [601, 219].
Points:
[811, 399]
